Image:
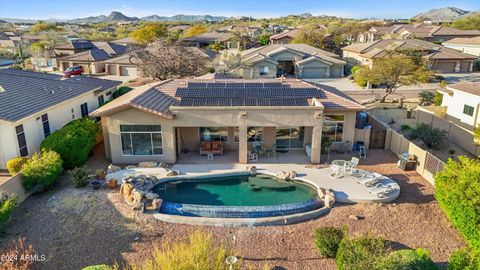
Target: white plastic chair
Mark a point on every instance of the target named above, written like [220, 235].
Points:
[380, 190]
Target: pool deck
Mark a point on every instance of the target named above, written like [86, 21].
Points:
[346, 189]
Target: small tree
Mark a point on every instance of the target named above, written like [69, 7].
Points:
[437, 99]
[263, 40]
[195, 30]
[394, 70]
[149, 32]
[426, 96]
[165, 60]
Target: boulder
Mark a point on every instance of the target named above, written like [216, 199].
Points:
[151, 196]
[147, 164]
[137, 195]
[171, 173]
[157, 203]
[112, 168]
[321, 193]
[329, 199]
[293, 174]
[282, 175]
[126, 189]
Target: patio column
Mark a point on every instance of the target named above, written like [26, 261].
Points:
[243, 144]
[316, 144]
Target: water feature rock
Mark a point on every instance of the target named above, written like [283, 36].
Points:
[157, 203]
[126, 189]
[147, 164]
[293, 174]
[253, 170]
[329, 198]
[321, 193]
[137, 195]
[171, 173]
[287, 175]
[151, 196]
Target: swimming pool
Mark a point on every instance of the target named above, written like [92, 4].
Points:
[238, 196]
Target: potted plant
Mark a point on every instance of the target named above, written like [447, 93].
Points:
[100, 174]
[96, 184]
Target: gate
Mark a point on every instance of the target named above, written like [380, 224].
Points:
[377, 138]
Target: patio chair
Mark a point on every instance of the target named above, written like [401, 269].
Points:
[272, 151]
[252, 157]
[338, 171]
[368, 180]
[205, 148]
[351, 166]
[381, 190]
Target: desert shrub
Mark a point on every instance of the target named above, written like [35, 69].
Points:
[405, 127]
[73, 142]
[97, 267]
[437, 99]
[456, 189]
[121, 91]
[17, 249]
[199, 252]
[15, 165]
[8, 204]
[464, 259]
[79, 177]
[431, 137]
[41, 171]
[327, 240]
[361, 253]
[418, 259]
[426, 96]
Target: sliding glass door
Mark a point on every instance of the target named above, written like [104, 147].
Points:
[290, 137]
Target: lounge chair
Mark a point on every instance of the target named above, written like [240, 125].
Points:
[368, 180]
[380, 190]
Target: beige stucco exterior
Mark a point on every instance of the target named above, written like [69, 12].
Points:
[183, 130]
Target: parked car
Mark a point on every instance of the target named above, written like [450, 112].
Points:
[75, 70]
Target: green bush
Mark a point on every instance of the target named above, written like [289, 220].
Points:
[437, 99]
[327, 240]
[431, 137]
[8, 204]
[15, 165]
[354, 69]
[457, 189]
[426, 96]
[79, 177]
[73, 142]
[407, 259]
[361, 253]
[41, 171]
[121, 91]
[464, 259]
[405, 128]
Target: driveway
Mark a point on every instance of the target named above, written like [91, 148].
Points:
[461, 77]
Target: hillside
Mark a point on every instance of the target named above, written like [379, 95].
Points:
[184, 18]
[441, 14]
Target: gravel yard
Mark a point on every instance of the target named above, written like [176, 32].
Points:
[78, 227]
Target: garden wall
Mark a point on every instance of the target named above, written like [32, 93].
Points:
[14, 185]
[455, 134]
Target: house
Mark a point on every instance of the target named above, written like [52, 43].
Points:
[428, 32]
[128, 41]
[91, 58]
[33, 105]
[168, 121]
[461, 104]
[223, 38]
[465, 45]
[287, 36]
[295, 60]
[441, 59]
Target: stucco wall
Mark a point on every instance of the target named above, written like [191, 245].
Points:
[14, 185]
[456, 103]
[253, 72]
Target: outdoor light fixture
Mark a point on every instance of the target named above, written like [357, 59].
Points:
[231, 260]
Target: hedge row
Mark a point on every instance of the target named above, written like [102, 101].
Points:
[73, 142]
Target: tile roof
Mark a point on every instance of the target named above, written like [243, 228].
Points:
[432, 50]
[467, 87]
[76, 44]
[25, 93]
[90, 55]
[214, 36]
[422, 30]
[95, 82]
[161, 97]
[286, 33]
[464, 41]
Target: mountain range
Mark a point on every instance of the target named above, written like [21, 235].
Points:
[442, 14]
[116, 16]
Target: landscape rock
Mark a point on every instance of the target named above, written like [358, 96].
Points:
[137, 195]
[171, 173]
[126, 189]
[157, 203]
[286, 175]
[329, 199]
[253, 170]
[354, 217]
[151, 196]
[147, 164]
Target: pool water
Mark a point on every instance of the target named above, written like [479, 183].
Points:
[260, 190]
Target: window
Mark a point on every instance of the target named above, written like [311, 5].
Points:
[468, 110]
[46, 125]
[264, 70]
[141, 140]
[22, 142]
[84, 109]
[333, 127]
[208, 134]
[101, 100]
[254, 134]
[290, 137]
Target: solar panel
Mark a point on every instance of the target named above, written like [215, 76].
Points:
[263, 102]
[250, 102]
[186, 102]
[238, 102]
[197, 84]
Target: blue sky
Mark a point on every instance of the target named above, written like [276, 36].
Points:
[66, 9]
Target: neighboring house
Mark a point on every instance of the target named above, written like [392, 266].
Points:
[166, 121]
[285, 37]
[92, 58]
[461, 104]
[33, 105]
[428, 32]
[9, 42]
[294, 60]
[129, 41]
[123, 65]
[223, 38]
[441, 59]
[465, 45]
